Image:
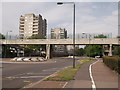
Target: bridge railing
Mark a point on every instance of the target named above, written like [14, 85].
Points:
[63, 41]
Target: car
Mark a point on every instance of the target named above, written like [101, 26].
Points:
[70, 56]
[97, 57]
[19, 59]
[34, 59]
[40, 59]
[27, 59]
[14, 59]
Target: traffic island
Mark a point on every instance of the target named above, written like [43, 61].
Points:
[60, 79]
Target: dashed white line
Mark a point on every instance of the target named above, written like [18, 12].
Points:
[25, 77]
[90, 71]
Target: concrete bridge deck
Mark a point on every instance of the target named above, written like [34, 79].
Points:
[102, 41]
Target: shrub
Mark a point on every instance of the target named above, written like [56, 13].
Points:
[112, 62]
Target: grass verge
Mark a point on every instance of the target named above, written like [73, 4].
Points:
[67, 73]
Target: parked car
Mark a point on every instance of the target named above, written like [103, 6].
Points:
[19, 59]
[40, 59]
[14, 59]
[34, 59]
[97, 57]
[27, 59]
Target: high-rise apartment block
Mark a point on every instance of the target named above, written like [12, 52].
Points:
[31, 24]
[58, 33]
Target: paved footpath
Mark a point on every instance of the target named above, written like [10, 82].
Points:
[82, 78]
[103, 77]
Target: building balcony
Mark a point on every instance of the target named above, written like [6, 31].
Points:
[35, 20]
[21, 30]
[35, 23]
[22, 19]
[35, 33]
[35, 30]
[21, 26]
[22, 22]
[35, 27]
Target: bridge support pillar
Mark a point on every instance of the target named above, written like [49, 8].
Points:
[48, 51]
[110, 50]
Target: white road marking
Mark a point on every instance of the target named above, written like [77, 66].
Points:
[24, 62]
[65, 85]
[18, 75]
[25, 77]
[31, 75]
[90, 71]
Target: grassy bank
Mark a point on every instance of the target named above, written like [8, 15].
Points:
[67, 73]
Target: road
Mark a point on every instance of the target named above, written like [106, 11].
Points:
[18, 75]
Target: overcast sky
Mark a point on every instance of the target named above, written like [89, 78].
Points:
[91, 17]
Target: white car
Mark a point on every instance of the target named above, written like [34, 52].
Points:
[40, 59]
[14, 59]
[27, 59]
[70, 56]
[19, 59]
[97, 57]
[34, 59]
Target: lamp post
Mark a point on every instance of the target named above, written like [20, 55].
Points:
[7, 34]
[60, 3]
[6, 42]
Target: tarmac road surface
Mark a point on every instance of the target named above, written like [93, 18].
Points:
[18, 75]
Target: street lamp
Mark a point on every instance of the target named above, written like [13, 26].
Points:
[6, 42]
[7, 34]
[60, 3]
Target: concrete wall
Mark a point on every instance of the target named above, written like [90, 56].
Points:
[98, 41]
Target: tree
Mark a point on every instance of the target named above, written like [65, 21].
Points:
[79, 52]
[34, 49]
[37, 36]
[100, 36]
[2, 36]
[94, 50]
[118, 36]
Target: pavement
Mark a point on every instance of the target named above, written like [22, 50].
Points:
[102, 76]
[82, 78]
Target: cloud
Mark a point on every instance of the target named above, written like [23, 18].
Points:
[115, 12]
[105, 24]
[90, 17]
[58, 14]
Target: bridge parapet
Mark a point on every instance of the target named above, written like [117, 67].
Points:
[103, 41]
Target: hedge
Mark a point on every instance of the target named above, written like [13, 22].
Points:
[112, 62]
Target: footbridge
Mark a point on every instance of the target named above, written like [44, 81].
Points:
[99, 41]
[49, 42]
